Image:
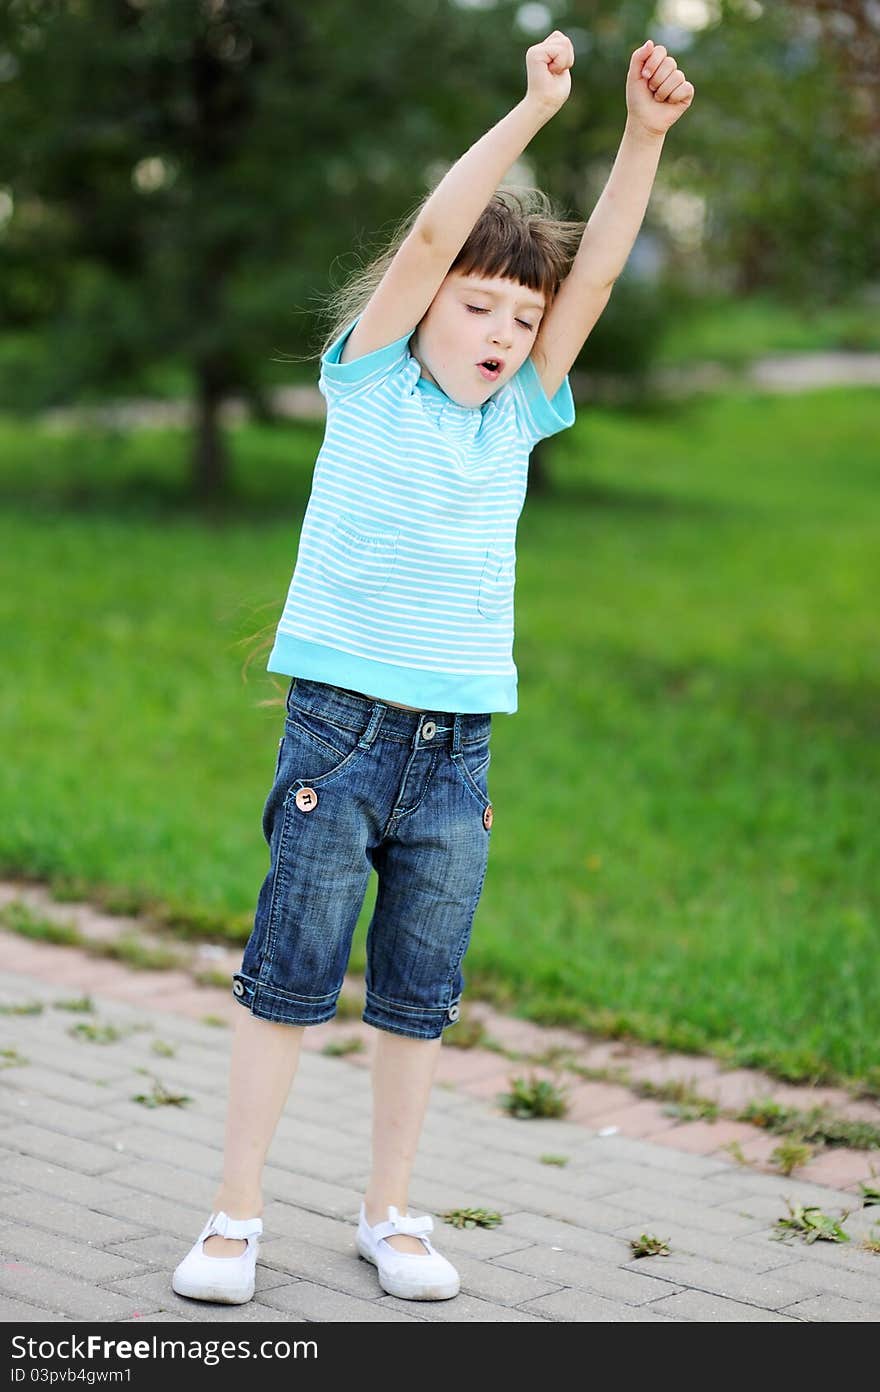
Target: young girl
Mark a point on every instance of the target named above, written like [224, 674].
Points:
[448, 363]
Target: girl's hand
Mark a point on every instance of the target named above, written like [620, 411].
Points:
[656, 90]
[547, 65]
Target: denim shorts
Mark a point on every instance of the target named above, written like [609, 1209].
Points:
[361, 785]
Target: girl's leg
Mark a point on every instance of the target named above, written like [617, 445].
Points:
[402, 1074]
[264, 1060]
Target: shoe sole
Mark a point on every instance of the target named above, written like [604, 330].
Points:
[404, 1289]
[218, 1294]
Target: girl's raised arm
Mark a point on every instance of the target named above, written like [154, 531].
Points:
[403, 296]
[657, 95]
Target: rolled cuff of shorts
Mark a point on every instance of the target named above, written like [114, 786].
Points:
[419, 1022]
[282, 1007]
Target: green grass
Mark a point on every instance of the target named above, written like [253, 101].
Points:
[684, 848]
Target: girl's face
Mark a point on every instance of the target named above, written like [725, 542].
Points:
[473, 318]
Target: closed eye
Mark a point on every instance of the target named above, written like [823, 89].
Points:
[477, 309]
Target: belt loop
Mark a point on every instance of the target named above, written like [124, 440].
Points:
[372, 729]
[456, 735]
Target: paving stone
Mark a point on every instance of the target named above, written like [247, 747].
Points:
[47, 1082]
[158, 1317]
[654, 1206]
[435, 1196]
[148, 1143]
[463, 1309]
[53, 1114]
[715, 1309]
[89, 1263]
[152, 1292]
[154, 1250]
[772, 1290]
[98, 1066]
[586, 1212]
[861, 1286]
[773, 1206]
[20, 1312]
[587, 1306]
[508, 1279]
[65, 1295]
[601, 1149]
[425, 1170]
[759, 1150]
[644, 1118]
[342, 1269]
[160, 1212]
[333, 1200]
[85, 1156]
[568, 1237]
[754, 1252]
[583, 1273]
[89, 1191]
[564, 1179]
[303, 1224]
[480, 1244]
[838, 1167]
[833, 1309]
[305, 1300]
[745, 1181]
[704, 1137]
[596, 1102]
[705, 1192]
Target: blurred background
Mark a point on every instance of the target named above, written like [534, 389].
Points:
[685, 847]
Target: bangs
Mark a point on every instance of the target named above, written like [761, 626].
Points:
[515, 245]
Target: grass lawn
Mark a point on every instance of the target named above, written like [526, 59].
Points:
[685, 846]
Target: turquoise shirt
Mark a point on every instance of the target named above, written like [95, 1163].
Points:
[404, 578]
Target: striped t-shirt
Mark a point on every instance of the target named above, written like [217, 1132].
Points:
[404, 577]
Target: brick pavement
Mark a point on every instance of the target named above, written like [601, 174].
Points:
[101, 1195]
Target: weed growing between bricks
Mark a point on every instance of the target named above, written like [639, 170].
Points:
[472, 1218]
[82, 1004]
[811, 1225]
[790, 1155]
[646, 1245]
[534, 1097]
[816, 1126]
[159, 1095]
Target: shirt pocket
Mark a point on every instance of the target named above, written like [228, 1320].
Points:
[359, 558]
[495, 595]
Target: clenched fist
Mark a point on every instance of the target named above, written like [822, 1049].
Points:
[657, 92]
[547, 65]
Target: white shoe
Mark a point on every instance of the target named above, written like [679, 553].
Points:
[228, 1280]
[411, 1275]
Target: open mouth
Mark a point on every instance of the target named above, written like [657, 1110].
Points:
[491, 368]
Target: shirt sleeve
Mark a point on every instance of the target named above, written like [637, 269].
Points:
[537, 416]
[337, 379]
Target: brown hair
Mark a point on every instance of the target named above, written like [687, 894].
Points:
[518, 236]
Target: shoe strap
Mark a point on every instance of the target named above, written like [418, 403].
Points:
[399, 1223]
[225, 1226]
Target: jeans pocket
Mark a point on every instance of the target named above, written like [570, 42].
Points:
[359, 558]
[315, 748]
[472, 765]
